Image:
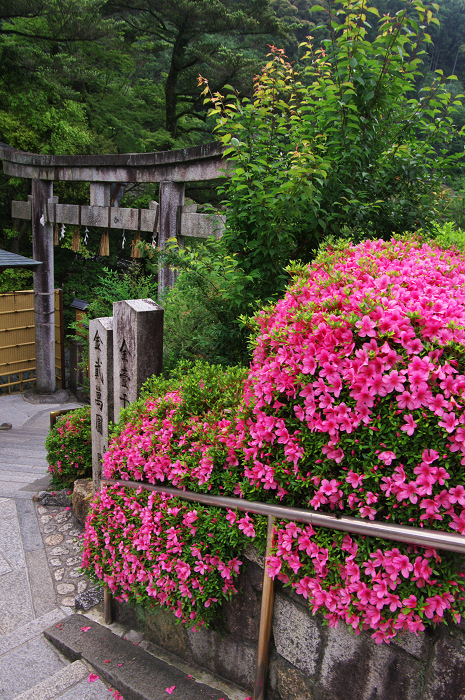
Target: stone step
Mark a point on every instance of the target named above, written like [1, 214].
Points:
[27, 665]
[38, 466]
[29, 451]
[24, 634]
[23, 492]
[20, 478]
[13, 437]
[18, 457]
[71, 683]
[135, 673]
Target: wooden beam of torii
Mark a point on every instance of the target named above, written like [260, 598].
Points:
[170, 168]
[189, 223]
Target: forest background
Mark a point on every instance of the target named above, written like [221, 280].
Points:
[86, 76]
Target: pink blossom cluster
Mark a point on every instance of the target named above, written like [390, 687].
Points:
[161, 443]
[356, 400]
[375, 327]
[155, 549]
[373, 589]
[353, 403]
[69, 446]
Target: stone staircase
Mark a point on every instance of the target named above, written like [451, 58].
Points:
[32, 669]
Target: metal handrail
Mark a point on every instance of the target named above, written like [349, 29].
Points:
[422, 537]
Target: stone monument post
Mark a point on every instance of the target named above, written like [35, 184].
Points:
[137, 347]
[101, 390]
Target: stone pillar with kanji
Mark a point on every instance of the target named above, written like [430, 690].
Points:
[137, 348]
[101, 390]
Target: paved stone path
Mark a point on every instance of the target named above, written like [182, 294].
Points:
[31, 599]
[62, 536]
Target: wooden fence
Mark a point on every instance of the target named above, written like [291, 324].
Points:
[17, 341]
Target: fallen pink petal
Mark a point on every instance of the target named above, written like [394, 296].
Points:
[85, 629]
[170, 690]
[92, 678]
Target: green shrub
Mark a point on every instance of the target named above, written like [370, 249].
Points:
[15, 280]
[201, 309]
[69, 447]
[339, 143]
[448, 235]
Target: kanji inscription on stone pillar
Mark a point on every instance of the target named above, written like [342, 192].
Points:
[101, 390]
[137, 347]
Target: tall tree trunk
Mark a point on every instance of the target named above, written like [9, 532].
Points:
[172, 81]
[170, 100]
[455, 62]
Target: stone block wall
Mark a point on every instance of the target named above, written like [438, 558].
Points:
[308, 660]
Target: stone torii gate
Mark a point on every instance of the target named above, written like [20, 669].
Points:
[172, 169]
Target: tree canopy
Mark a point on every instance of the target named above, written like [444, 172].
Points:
[93, 76]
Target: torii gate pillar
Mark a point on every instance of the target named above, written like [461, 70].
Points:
[44, 302]
[171, 198]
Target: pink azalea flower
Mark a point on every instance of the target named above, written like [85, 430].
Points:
[366, 326]
[273, 566]
[410, 424]
[367, 512]
[458, 523]
[405, 400]
[354, 479]
[170, 689]
[409, 491]
[92, 678]
[394, 381]
[429, 456]
[457, 495]
[448, 422]
[387, 457]
[410, 602]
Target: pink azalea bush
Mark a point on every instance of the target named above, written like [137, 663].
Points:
[356, 393]
[180, 429]
[151, 548]
[154, 549]
[69, 447]
[353, 404]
